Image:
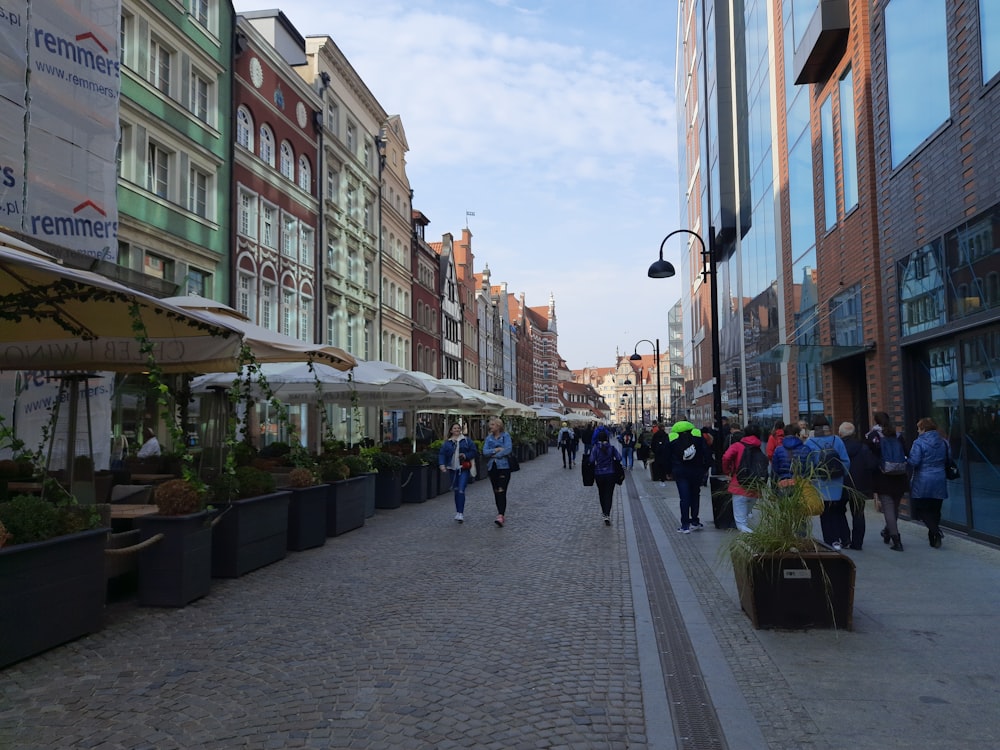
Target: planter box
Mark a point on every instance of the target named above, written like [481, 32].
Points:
[250, 534]
[798, 591]
[414, 484]
[345, 504]
[369, 486]
[177, 570]
[388, 490]
[433, 476]
[52, 592]
[307, 517]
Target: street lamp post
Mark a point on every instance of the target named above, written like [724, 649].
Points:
[635, 405]
[661, 269]
[637, 356]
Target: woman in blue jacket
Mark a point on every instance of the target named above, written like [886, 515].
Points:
[928, 485]
[603, 455]
[496, 448]
[456, 457]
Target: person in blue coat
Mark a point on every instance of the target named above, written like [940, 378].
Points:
[928, 485]
[456, 457]
[833, 520]
[604, 455]
[789, 458]
[496, 447]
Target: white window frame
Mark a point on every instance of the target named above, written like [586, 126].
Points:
[246, 297]
[160, 57]
[266, 145]
[287, 313]
[268, 294]
[305, 173]
[286, 160]
[289, 236]
[201, 106]
[158, 160]
[244, 128]
[307, 244]
[305, 319]
[246, 220]
[200, 187]
[269, 225]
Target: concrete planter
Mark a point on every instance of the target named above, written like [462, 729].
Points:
[177, 570]
[307, 517]
[388, 490]
[250, 534]
[345, 505]
[414, 484]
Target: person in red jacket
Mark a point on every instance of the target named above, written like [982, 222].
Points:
[743, 497]
[775, 438]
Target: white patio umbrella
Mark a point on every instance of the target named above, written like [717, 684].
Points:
[267, 345]
[546, 412]
[575, 418]
[65, 319]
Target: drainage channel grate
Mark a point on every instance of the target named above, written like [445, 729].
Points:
[696, 725]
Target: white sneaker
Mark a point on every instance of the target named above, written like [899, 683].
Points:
[459, 517]
[837, 546]
[744, 528]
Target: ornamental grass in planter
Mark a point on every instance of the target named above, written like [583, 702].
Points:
[176, 568]
[785, 577]
[252, 528]
[307, 509]
[52, 584]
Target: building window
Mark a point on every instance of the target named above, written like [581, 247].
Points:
[305, 174]
[196, 283]
[287, 313]
[305, 320]
[916, 51]
[200, 95]
[352, 138]
[157, 170]
[198, 189]
[332, 184]
[287, 164]
[351, 202]
[829, 157]
[266, 145]
[199, 9]
[245, 297]
[244, 128]
[989, 37]
[333, 118]
[154, 265]
[848, 141]
[268, 298]
[369, 217]
[269, 226]
[159, 65]
[289, 236]
[306, 241]
[352, 262]
[248, 214]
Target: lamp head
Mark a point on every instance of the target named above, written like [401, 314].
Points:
[660, 269]
[636, 357]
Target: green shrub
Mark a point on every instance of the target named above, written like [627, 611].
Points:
[357, 465]
[385, 463]
[300, 477]
[244, 453]
[178, 497]
[31, 518]
[275, 450]
[251, 482]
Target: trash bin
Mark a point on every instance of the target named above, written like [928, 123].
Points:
[722, 502]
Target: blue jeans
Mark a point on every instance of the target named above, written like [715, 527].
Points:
[459, 481]
[689, 489]
[628, 456]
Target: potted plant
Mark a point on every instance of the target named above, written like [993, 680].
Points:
[307, 509]
[346, 495]
[252, 528]
[388, 480]
[360, 467]
[414, 479]
[52, 583]
[785, 577]
[177, 569]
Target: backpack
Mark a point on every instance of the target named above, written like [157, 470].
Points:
[754, 468]
[893, 458]
[827, 461]
[685, 446]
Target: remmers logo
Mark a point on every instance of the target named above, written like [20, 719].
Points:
[76, 225]
[79, 50]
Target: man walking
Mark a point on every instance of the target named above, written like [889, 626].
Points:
[565, 442]
[688, 458]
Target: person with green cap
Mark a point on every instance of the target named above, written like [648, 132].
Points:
[688, 457]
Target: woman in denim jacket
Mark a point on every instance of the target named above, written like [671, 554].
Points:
[496, 448]
[456, 451]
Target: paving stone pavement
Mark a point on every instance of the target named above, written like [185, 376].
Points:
[418, 632]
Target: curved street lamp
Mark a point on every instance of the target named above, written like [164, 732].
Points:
[638, 357]
[661, 269]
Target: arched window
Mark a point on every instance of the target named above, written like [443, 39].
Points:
[287, 165]
[305, 173]
[244, 128]
[266, 145]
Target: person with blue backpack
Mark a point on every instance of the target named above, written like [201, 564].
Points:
[830, 464]
[891, 479]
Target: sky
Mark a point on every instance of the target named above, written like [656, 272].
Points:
[553, 122]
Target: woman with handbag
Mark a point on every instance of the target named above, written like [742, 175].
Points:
[928, 485]
[890, 479]
[456, 457]
[606, 460]
[496, 449]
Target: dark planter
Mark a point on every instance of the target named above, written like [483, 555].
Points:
[388, 490]
[51, 592]
[798, 591]
[345, 505]
[177, 569]
[369, 485]
[443, 480]
[307, 517]
[414, 484]
[722, 502]
[250, 534]
[432, 475]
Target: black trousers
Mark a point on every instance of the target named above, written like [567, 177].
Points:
[605, 491]
[500, 478]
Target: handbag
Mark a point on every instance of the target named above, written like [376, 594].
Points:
[619, 472]
[587, 470]
[811, 498]
[512, 463]
[951, 468]
[466, 465]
